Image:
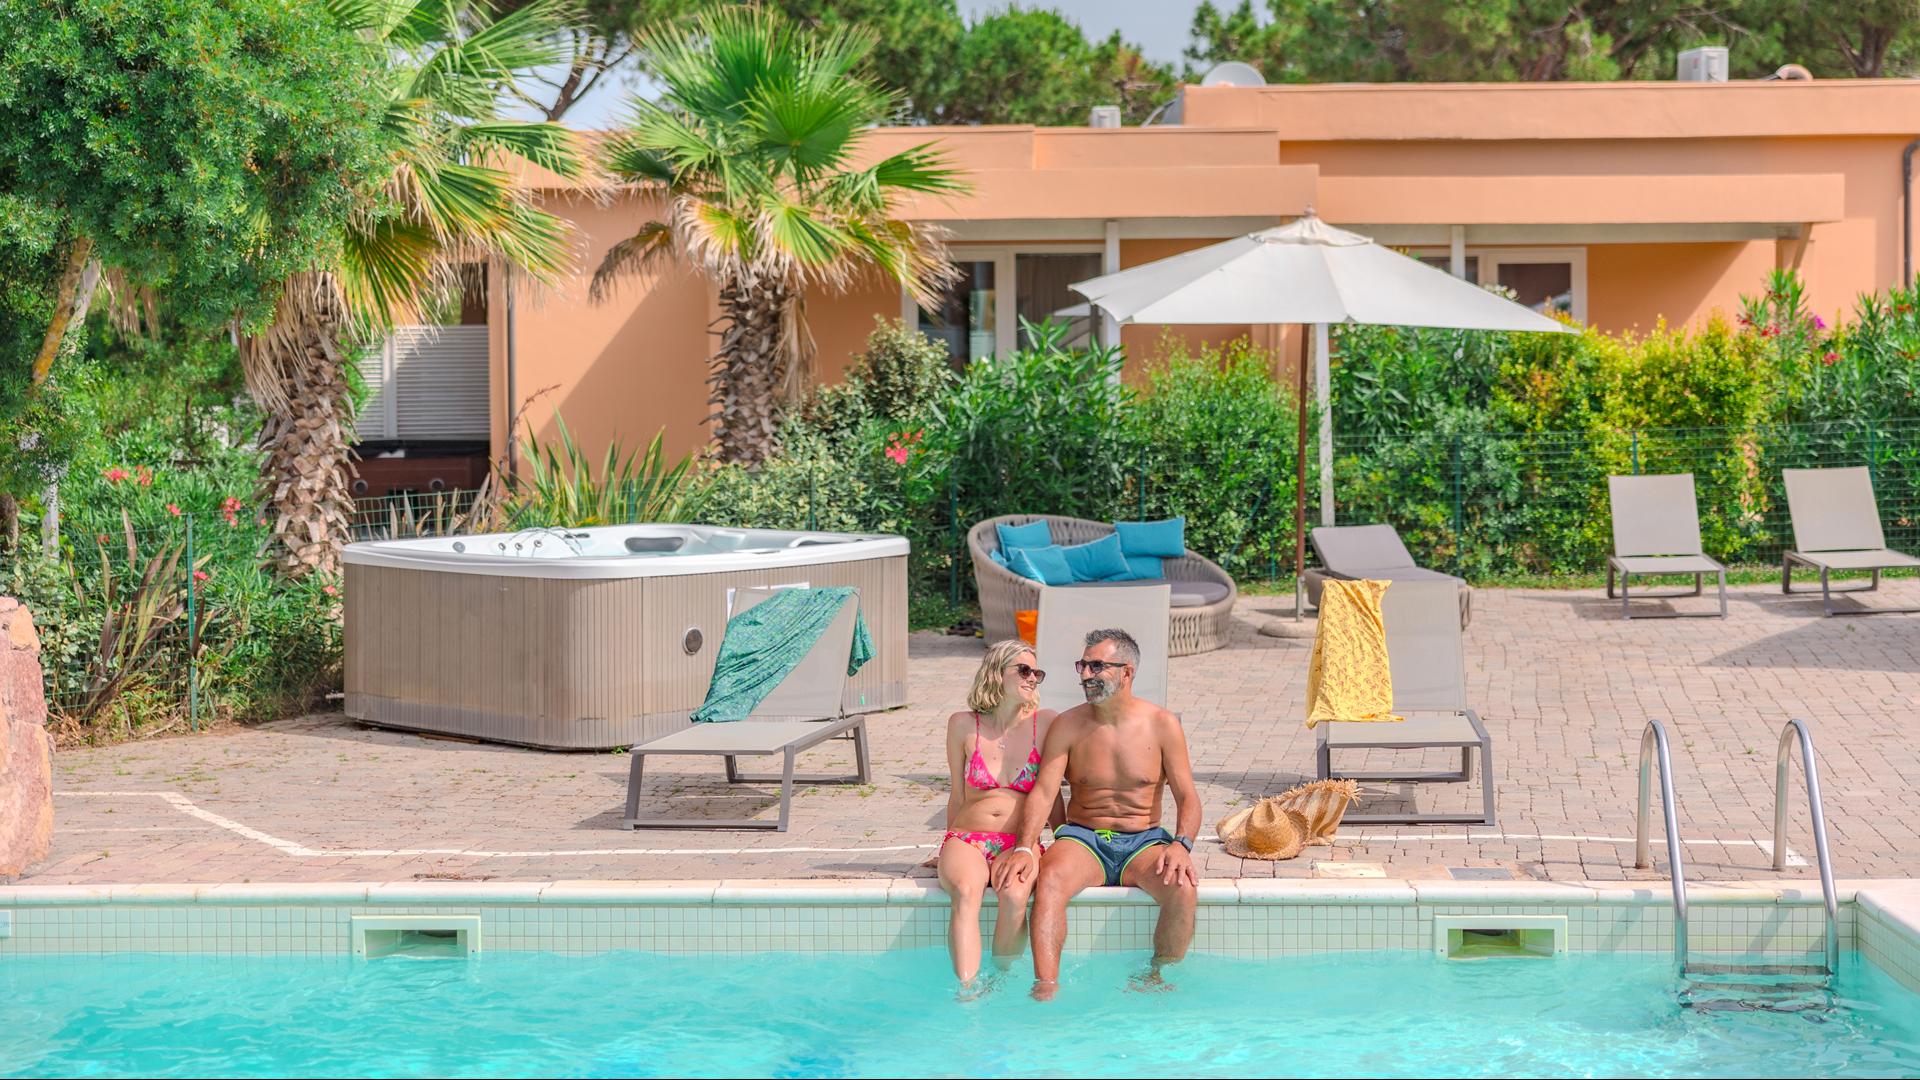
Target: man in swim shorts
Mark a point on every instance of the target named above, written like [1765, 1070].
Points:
[1116, 753]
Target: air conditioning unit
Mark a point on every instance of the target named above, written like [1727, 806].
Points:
[1105, 116]
[1708, 63]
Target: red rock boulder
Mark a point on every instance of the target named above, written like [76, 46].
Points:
[26, 755]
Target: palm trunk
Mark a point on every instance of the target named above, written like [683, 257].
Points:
[296, 372]
[71, 300]
[751, 371]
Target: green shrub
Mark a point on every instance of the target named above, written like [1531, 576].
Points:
[1213, 436]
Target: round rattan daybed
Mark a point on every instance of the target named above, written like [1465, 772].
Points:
[1197, 623]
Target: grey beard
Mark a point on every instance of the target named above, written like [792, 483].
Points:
[1097, 690]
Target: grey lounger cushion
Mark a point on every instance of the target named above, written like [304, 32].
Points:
[1656, 515]
[1362, 551]
[1836, 520]
[1667, 564]
[1372, 553]
[1427, 656]
[1185, 593]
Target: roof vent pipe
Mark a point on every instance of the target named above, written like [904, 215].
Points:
[1105, 116]
[1708, 63]
[1790, 73]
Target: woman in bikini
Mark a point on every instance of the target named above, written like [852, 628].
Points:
[993, 756]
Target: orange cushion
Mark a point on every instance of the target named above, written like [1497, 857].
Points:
[1027, 625]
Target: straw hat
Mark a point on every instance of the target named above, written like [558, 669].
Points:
[1265, 830]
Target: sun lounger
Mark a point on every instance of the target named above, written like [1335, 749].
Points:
[805, 710]
[1656, 530]
[1371, 553]
[1067, 615]
[1427, 659]
[1836, 526]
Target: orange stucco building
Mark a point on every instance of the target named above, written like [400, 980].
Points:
[1620, 203]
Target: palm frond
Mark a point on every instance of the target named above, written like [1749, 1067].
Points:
[550, 146]
[802, 234]
[629, 161]
[383, 265]
[638, 256]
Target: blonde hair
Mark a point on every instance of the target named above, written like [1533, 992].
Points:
[988, 688]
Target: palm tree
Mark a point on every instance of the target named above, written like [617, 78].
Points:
[448, 200]
[751, 147]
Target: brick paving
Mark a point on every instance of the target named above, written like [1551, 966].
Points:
[1564, 686]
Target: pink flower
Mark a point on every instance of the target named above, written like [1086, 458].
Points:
[229, 505]
[1831, 359]
[144, 475]
[330, 590]
[172, 509]
[200, 575]
[1819, 323]
[898, 454]
[115, 475]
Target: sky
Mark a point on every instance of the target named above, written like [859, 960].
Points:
[1159, 27]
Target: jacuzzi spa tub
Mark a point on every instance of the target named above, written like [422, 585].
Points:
[586, 639]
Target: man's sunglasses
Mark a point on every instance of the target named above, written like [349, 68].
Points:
[1097, 667]
[1028, 671]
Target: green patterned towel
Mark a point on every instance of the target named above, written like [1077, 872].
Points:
[764, 643]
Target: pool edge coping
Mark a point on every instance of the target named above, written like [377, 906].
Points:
[1895, 899]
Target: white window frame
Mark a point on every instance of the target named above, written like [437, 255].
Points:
[1006, 319]
[1492, 258]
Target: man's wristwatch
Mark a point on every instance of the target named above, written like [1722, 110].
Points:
[1185, 842]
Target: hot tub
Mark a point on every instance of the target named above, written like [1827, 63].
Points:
[587, 639]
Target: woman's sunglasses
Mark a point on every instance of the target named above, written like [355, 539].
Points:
[1028, 671]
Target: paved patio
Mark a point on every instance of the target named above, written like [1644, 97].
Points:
[1565, 688]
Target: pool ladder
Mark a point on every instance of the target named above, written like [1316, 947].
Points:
[1778, 987]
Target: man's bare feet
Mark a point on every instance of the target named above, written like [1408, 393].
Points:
[1149, 981]
[1044, 989]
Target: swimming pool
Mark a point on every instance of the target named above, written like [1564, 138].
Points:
[628, 1013]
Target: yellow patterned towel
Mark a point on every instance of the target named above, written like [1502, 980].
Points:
[1347, 676]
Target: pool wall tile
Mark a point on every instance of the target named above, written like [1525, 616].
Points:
[1246, 918]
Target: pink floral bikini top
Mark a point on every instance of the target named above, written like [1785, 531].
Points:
[979, 776]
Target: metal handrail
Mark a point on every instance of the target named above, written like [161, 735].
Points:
[1800, 728]
[1653, 738]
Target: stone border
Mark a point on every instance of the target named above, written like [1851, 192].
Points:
[1896, 898]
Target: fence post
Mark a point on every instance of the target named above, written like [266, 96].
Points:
[1143, 483]
[1873, 452]
[1459, 509]
[1636, 453]
[193, 638]
[953, 539]
[813, 468]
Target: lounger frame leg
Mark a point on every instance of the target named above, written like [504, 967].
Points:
[1828, 589]
[857, 735]
[863, 773]
[1323, 766]
[1699, 588]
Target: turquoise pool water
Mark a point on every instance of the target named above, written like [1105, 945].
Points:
[895, 1014]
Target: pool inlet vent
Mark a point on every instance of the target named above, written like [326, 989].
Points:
[1491, 937]
[421, 937]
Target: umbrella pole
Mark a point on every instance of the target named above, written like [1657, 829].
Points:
[1300, 487]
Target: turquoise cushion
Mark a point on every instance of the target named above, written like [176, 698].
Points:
[997, 557]
[1141, 568]
[1046, 565]
[1033, 535]
[1166, 539]
[1099, 560]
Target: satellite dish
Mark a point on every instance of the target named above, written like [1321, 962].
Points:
[1233, 73]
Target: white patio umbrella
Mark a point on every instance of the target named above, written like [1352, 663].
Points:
[1311, 273]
